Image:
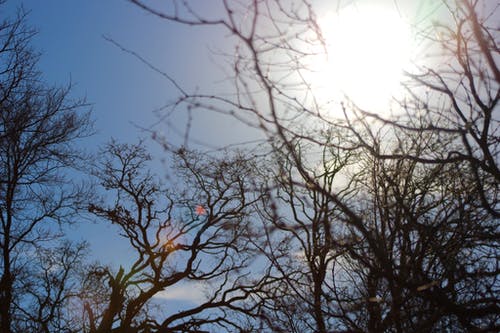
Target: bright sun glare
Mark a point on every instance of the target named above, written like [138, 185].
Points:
[367, 49]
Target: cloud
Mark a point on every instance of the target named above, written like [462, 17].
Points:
[191, 292]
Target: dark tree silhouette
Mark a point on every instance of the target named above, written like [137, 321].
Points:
[370, 224]
[419, 261]
[455, 106]
[197, 233]
[39, 126]
[48, 301]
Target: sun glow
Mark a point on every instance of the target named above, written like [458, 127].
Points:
[367, 49]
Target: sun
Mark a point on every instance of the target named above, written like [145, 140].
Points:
[366, 49]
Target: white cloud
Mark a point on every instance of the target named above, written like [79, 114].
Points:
[191, 292]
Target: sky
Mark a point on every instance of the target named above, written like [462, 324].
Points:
[123, 91]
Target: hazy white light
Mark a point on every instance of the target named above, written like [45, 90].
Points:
[367, 49]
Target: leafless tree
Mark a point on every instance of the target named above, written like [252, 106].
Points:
[51, 286]
[405, 238]
[198, 233]
[421, 260]
[39, 126]
[455, 104]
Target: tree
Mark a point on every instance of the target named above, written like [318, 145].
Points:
[458, 110]
[416, 263]
[197, 233]
[410, 241]
[39, 127]
[51, 285]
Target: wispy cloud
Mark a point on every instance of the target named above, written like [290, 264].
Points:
[192, 292]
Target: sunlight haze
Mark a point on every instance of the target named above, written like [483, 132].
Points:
[367, 48]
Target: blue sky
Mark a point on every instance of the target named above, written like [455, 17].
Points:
[121, 89]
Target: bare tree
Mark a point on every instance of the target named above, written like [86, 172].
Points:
[455, 105]
[410, 241]
[197, 233]
[51, 286]
[39, 126]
